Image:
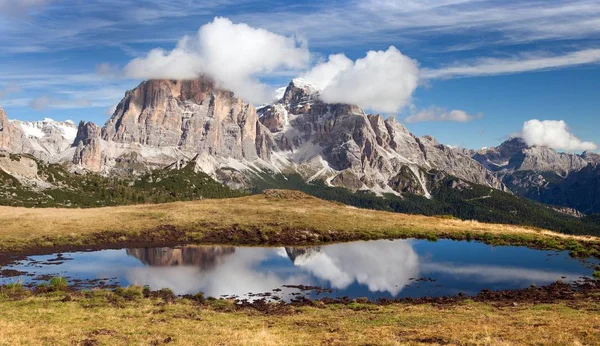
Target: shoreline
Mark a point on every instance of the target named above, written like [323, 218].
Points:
[170, 236]
[585, 289]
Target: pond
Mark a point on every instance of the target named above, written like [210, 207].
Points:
[372, 269]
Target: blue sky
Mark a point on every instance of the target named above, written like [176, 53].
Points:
[497, 63]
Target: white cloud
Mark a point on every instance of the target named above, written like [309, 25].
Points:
[382, 81]
[382, 266]
[233, 54]
[554, 134]
[325, 72]
[442, 114]
[495, 66]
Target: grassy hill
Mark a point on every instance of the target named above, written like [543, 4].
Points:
[274, 217]
[90, 190]
[475, 203]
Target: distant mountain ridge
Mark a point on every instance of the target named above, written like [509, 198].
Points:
[164, 124]
[47, 140]
[545, 175]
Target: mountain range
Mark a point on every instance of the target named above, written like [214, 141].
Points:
[168, 125]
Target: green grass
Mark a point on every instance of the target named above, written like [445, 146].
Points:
[58, 283]
[123, 317]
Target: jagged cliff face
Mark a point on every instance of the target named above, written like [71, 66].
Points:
[11, 137]
[514, 155]
[88, 152]
[193, 116]
[346, 147]
[167, 124]
[579, 190]
[164, 122]
[545, 175]
[47, 140]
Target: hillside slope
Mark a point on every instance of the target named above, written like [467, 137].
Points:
[273, 217]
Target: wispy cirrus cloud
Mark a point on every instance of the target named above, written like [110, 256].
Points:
[523, 63]
[44, 102]
[9, 8]
[500, 22]
[435, 113]
[9, 89]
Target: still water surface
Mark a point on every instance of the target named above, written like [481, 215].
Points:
[374, 269]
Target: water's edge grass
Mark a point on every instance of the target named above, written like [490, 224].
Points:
[55, 315]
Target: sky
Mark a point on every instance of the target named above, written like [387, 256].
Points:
[471, 73]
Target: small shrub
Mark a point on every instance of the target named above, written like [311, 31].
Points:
[42, 288]
[59, 284]
[14, 290]
[199, 297]
[130, 293]
[432, 237]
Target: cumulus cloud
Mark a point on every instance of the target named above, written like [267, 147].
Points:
[554, 134]
[233, 54]
[495, 66]
[442, 114]
[325, 72]
[382, 81]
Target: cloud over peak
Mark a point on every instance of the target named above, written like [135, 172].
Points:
[383, 81]
[554, 134]
[233, 54]
[236, 55]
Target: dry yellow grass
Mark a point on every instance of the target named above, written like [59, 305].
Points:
[20, 227]
[48, 321]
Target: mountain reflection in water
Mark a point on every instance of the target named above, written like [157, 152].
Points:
[382, 266]
[374, 269]
[205, 257]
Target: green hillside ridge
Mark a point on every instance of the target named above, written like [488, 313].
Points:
[159, 186]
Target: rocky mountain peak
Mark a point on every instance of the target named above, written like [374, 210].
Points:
[299, 94]
[591, 157]
[515, 155]
[54, 131]
[162, 122]
[3, 118]
[11, 137]
[88, 152]
[193, 116]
